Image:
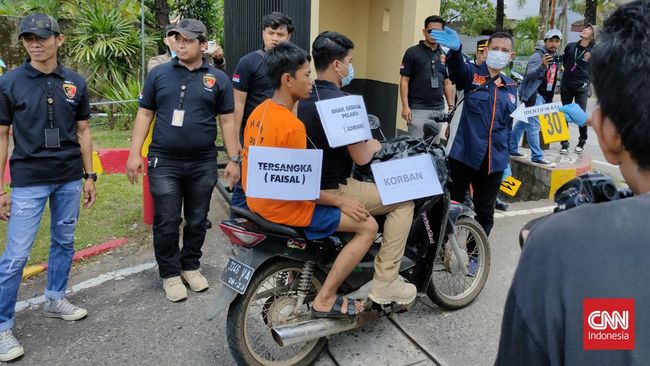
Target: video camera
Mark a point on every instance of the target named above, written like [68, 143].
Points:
[588, 188]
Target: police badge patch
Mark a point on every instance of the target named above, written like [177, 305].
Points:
[209, 80]
[70, 90]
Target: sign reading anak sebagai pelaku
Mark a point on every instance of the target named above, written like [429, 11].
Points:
[406, 179]
[283, 174]
[344, 119]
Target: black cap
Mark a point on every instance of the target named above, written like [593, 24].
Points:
[190, 29]
[481, 45]
[41, 25]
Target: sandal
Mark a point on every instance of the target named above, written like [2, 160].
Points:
[335, 311]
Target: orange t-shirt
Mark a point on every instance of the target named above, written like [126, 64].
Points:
[279, 128]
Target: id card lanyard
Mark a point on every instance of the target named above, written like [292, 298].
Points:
[575, 58]
[52, 139]
[435, 83]
[179, 113]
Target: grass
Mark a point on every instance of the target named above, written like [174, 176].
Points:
[115, 214]
[105, 138]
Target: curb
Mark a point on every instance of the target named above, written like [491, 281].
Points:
[80, 255]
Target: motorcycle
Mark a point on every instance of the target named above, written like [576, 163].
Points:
[275, 273]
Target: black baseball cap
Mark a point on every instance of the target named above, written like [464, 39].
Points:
[481, 45]
[190, 29]
[39, 24]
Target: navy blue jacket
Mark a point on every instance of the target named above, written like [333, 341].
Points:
[485, 123]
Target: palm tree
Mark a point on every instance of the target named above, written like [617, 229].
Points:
[500, 15]
[590, 11]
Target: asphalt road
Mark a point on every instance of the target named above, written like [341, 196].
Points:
[130, 322]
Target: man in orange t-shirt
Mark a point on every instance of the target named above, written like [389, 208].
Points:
[272, 124]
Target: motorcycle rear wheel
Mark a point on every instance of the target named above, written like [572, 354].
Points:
[269, 300]
[450, 288]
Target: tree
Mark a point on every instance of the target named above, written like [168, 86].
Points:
[160, 9]
[210, 12]
[475, 15]
[526, 36]
[500, 15]
[590, 11]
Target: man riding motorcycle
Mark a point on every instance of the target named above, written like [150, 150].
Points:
[333, 62]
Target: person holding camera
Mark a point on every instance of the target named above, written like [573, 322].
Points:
[575, 79]
[590, 262]
[537, 88]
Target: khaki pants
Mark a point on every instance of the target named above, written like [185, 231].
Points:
[396, 228]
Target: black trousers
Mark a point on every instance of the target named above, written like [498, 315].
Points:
[176, 184]
[485, 186]
[580, 95]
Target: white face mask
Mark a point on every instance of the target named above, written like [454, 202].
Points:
[497, 60]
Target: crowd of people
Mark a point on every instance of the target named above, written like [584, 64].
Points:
[270, 100]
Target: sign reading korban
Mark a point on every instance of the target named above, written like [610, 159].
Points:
[406, 179]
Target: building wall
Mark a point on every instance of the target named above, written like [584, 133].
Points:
[381, 31]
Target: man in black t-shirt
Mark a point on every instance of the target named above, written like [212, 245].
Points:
[249, 80]
[424, 81]
[185, 95]
[333, 62]
[575, 79]
[580, 294]
[47, 105]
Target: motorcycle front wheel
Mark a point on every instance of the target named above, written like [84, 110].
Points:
[270, 300]
[450, 288]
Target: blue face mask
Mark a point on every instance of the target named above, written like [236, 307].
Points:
[347, 79]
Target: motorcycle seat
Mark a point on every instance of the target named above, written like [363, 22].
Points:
[265, 224]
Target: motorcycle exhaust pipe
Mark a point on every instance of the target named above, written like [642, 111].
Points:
[308, 330]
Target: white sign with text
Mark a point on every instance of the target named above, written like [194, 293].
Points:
[406, 179]
[283, 174]
[344, 119]
[522, 113]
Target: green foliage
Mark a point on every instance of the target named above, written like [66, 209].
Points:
[210, 12]
[603, 7]
[526, 36]
[106, 43]
[120, 115]
[476, 15]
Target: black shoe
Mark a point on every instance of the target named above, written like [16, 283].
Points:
[500, 205]
[580, 147]
[468, 201]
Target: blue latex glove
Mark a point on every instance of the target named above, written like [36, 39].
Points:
[506, 173]
[574, 114]
[448, 38]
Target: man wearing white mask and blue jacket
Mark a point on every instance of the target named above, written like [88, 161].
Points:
[479, 154]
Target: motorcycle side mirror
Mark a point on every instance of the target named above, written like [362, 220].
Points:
[374, 122]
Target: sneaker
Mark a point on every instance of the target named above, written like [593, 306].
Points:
[63, 309]
[544, 162]
[517, 155]
[174, 289]
[500, 205]
[580, 147]
[10, 349]
[195, 280]
[472, 267]
[565, 151]
[397, 290]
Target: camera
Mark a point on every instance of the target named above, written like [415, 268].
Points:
[588, 188]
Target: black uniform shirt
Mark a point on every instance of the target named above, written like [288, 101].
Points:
[417, 65]
[577, 66]
[250, 77]
[23, 104]
[337, 163]
[208, 93]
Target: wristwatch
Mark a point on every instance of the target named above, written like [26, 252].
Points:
[92, 176]
[235, 159]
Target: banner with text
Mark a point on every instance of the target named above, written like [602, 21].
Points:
[522, 112]
[283, 174]
[406, 179]
[344, 120]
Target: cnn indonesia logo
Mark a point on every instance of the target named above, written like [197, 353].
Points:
[608, 324]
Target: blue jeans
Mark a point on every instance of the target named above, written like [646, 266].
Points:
[27, 206]
[238, 198]
[532, 134]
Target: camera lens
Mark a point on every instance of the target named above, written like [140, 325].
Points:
[605, 191]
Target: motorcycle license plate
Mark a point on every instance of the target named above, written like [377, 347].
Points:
[237, 275]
